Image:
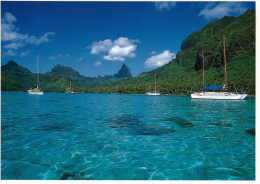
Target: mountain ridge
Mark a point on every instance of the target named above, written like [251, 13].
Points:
[184, 73]
[18, 78]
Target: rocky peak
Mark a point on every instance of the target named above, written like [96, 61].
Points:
[123, 72]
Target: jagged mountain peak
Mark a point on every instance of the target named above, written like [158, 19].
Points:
[123, 72]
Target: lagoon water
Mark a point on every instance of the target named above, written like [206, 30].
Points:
[126, 137]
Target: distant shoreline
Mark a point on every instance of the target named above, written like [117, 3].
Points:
[116, 93]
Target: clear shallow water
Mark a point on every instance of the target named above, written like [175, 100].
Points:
[129, 137]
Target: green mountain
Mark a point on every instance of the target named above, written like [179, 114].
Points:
[17, 78]
[180, 75]
[184, 72]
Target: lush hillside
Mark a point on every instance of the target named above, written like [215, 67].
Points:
[17, 78]
[181, 75]
[184, 73]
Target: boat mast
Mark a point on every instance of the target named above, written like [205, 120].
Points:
[155, 82]
[225, 63]
[202, 53]
[37, 71]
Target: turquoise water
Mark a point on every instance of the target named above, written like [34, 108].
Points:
[126, 137]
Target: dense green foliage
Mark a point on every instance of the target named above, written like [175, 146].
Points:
[15, 78]
[179, 76]
[184, 73]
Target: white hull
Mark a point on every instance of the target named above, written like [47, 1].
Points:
[218, 96]
[33, 92]
[153, 93]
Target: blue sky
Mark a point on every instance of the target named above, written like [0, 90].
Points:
[96, 38]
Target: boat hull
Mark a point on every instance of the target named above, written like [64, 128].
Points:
[218, 96]
[32, 92]
[153, 94]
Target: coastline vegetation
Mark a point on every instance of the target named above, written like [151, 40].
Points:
[180, 76]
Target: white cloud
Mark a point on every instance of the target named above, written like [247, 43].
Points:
[159, 59]
[9, 17]
[13, 45]
[25, 53]
[116, 50]
[153, 52]
[9, 53]
[167, 5]
[101, 46]
[221, 9]
[14, 39]
[98, 63]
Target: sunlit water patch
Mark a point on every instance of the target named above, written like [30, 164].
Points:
[126, 137]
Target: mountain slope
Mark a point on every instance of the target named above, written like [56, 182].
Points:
[184, 73]
[17, 78]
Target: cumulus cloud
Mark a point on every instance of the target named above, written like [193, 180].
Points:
[101, 46]
[159, 59]
[9, 53]
[13, 39]
[164, 5]
[116, 50]
[98, 63]
[221, 9]
[25, 53]
[13, 45]
[153, 52]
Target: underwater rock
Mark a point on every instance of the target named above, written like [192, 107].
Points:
[181, 122]
[219, 124]
[72, 176]
[3, 127]
[124, 121]
[152, 130]
[251, 131]
[133, 123]
[54, 127]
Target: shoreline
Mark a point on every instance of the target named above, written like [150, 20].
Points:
[76, 93]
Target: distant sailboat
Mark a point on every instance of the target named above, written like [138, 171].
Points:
[217, 95]
[69, 89]
[36, 90]
[154, 93]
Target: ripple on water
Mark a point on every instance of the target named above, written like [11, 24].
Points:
[101, 137]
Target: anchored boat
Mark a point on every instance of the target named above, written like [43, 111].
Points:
[154, 93]
[225, 95]
[69, 89]
[36, 90]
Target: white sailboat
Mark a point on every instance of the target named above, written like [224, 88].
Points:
[154, 93]
[225, 95]
[36, 90]
[69, 89]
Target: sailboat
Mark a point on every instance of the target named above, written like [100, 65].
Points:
[36, 90]
[154, 93]
[69, 89]
[225, 95]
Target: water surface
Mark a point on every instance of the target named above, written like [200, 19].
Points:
[126, 137]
